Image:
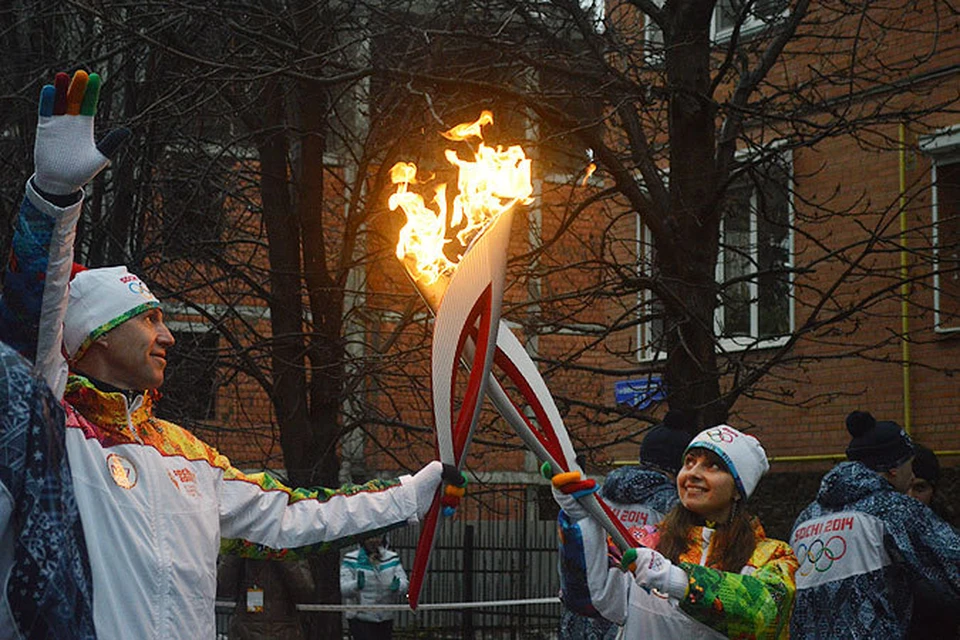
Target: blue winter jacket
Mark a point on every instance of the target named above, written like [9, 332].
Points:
[861, 547]
[43, 558]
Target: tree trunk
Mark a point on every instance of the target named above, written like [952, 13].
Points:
[689, 269]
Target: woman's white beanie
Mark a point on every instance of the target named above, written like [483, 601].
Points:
[742, 453]
[100, 300]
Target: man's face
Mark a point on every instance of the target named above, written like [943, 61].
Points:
[902, 476]
[136, 351]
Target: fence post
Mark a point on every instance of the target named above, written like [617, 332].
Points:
[468, 580]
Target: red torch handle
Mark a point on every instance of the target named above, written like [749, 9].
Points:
[428, 533]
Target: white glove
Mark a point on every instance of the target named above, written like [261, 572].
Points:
[652, 571]
[569, 504]
[424, 484]
[65, 155]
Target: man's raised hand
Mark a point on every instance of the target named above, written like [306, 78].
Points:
[66, 157]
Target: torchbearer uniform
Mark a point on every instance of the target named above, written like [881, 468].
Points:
[155, 500]
[699, 602]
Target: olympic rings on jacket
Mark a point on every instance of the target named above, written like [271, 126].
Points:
[820, 555]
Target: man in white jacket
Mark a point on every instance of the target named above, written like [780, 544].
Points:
[154, 500]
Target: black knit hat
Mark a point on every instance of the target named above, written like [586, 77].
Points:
[925, 464]
[880, 445]
[664, 444]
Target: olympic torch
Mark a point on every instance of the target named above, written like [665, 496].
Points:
[466, 297]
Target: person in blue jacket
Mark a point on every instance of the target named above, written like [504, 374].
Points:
[43, 557]
[863, 544]
[639, 495]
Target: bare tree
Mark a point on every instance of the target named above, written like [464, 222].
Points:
[707, 121]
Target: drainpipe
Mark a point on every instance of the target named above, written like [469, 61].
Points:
[905, 285]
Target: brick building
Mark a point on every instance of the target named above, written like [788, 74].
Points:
[842, 194]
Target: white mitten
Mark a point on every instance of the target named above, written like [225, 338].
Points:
[652, 571]
[65, 155]
[569, 504]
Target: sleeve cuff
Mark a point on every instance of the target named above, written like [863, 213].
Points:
[677, 583]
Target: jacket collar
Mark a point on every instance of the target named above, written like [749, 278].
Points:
[106, 406]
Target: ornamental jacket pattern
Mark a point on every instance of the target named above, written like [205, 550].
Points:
[43, 558]
[154, 500]
[861, 547]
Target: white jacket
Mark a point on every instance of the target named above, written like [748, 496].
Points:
[377, 579]
[154, 500]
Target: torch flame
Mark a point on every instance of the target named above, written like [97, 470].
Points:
[587, 173]
[495, 180]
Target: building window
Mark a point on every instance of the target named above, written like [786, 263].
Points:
[193, 195]
[189, 392]
[755, 259]
[944, 149]
[753, 267]
[650, 331]
[653, 40]
[758, 15]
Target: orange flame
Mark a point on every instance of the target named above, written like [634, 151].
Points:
[587, 173]
[495, 180]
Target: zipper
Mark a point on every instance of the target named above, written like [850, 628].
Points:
[137, 403]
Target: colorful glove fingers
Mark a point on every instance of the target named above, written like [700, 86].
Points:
[454, 488]
[65, 155]
[568, 488]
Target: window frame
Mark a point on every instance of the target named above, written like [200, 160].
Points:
[942, 147]
[750, 27]
[645, 338]
[753, 341]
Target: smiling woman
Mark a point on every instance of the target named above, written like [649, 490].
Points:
[716, 573]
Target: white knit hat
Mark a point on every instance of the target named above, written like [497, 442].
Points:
[741, 452]
[100, 300]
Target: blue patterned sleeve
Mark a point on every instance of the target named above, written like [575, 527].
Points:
[592, 586]
[24, 278]
[49, 591]
[927, 545]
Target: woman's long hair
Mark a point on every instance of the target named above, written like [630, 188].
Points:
[732, 544]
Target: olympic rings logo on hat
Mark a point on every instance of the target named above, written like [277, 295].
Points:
[722, 434]
[820, 555]
[138, 288]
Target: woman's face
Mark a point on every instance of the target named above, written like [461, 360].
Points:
[922, 490]
[706, 487]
